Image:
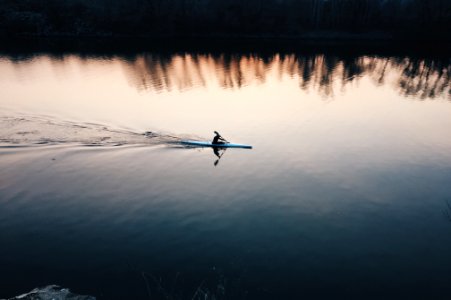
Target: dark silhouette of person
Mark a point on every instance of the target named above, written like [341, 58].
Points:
[218, 139]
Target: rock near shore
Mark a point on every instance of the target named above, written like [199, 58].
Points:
[51, 292]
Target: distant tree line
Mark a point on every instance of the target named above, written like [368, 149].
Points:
[223, 17]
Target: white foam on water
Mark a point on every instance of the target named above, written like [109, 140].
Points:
[32, 130]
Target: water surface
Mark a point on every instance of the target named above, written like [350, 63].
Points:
[345, 194]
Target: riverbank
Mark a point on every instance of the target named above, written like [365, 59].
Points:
[303, 36]
[333, 19]
[323, 42]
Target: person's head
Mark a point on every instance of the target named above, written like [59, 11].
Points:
[217, 133]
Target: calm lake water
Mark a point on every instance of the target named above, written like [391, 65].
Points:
[346, 193]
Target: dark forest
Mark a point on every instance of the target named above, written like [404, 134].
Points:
[227, 18]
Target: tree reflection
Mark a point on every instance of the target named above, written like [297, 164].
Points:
[424, 78]
[421, 78]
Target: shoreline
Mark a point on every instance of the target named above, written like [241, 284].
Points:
[227, 43]
[319, 35]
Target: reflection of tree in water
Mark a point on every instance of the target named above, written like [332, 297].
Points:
[415, 77]
[425, 78]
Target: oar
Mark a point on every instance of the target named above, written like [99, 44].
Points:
[224, 139]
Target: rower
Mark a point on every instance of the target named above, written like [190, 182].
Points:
[218, 139]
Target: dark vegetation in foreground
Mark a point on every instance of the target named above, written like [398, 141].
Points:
[228, 18]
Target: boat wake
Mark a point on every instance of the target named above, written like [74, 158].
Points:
[41, 131]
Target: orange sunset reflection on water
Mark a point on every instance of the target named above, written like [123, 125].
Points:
[419, 78]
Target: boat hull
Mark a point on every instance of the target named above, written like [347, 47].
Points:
[209, 144]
